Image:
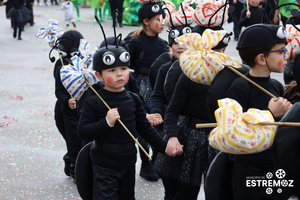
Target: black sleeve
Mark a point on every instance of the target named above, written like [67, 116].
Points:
[176, 104]
[158, 94]
[171, 79]
[92, 125]
[60, 91]
[243, 20]
[156, 65]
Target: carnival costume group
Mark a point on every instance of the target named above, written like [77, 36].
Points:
[200, 86]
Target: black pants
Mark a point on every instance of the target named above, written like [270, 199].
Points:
[175, 190]
[236, 25]
[116, 5]
[113, 184]
[66, 123]
[18, 28]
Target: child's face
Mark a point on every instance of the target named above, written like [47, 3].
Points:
[254, 3]
[276, 58]
[155, 24]
[114, 79]
[178, 49]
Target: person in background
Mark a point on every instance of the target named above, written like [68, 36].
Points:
[29, 5]
[68, 9]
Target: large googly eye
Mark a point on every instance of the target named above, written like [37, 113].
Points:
[124, 57]
[174, 33]
[75, 53]
[63, 54]
[186, 30]
[282, 33]
[163, 6]
[155, 8]
[108, 58]
[226, 40]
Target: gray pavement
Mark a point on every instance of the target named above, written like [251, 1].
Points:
[31, 148]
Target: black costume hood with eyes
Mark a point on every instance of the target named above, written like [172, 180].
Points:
[68, 43]
[149, 10]
[110, 56]
[258, 35]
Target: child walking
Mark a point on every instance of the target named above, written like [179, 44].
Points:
[146, 40]
[68, 8]
[113, 152]
[264, 54]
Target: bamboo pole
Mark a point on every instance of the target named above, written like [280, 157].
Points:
[248, 79]
[212, 125]
[123, 125]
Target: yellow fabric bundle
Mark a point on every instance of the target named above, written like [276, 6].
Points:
[199, 62]
[240, 133]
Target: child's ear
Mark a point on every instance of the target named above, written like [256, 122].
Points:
[99, 75]
[146, 21]
[260, 59]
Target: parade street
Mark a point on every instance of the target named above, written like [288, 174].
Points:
[31, 148]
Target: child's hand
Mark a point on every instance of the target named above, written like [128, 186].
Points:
[173, 148]
[279, 106]
[112, 116]
[72, 104]
[154, 119]
[248, 14]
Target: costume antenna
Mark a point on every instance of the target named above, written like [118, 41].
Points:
[102, 29]
[186, 23]
[114, 25]
[226, 3]
[171, 21]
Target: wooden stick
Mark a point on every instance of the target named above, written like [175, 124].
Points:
[126, 129]
[247, 2]
[212, 125]
[248, 79]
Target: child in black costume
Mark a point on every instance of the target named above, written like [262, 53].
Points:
[113, 152]
[18, 17]
[287, 138]
[65, 115]
[264, 54]
[146, 40]
[252, 15]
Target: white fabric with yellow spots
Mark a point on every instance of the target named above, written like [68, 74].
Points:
[241, 133]
[199, 62]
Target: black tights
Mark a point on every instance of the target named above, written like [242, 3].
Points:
[18, 27]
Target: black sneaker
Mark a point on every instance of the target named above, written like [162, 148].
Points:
[67, 165]
[148, 173]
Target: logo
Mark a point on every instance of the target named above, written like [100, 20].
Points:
[272, 183]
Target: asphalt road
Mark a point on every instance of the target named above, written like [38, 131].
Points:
[31, 148]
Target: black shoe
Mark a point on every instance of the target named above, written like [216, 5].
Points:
[120, 25]
[67, 165]
[148, 173]
[19, 38]
[15, 34]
